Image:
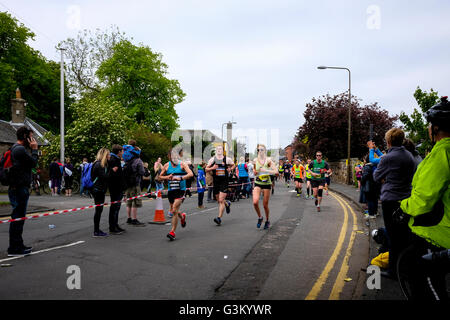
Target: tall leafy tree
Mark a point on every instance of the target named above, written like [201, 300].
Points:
[136, 77]
[25, 68]
[416, 124]
[325, 127]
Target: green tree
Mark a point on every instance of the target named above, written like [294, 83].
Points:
[136, 77]
[25, 68]
[415, 125]
[97, 123]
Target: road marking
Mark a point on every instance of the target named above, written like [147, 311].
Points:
[312, 295]
[340, 279]
[45, 250]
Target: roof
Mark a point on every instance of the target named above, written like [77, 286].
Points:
[8, 131]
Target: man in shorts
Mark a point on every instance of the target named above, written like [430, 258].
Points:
[298, 172]
[220, 166]
[309, 194]
[287, 172]
[318, 168]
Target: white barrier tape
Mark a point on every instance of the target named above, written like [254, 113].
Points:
[36, 216]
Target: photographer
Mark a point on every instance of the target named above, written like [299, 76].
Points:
[18, 191]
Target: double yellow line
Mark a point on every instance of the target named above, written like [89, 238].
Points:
[342, 275]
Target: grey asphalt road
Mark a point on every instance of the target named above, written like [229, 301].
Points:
[303, 254]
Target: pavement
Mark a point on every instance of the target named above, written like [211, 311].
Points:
[390, 289]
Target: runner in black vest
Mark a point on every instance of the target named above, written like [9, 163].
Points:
[219, 166]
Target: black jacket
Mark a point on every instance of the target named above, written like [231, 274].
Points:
[116, 181]
[99, 176]
[23, 162]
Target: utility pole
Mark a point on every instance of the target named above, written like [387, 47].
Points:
[61, 153]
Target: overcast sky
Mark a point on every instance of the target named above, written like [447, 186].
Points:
[256, 61]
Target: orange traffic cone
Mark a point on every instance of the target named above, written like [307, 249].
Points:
[159, 211]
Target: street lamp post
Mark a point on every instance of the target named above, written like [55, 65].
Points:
[62, 149]
[349, 116]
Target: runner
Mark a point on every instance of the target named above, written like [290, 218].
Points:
[287, 173]
[280, 170]
[219, 169]
[176, 173]
[298, 173]
[309, 194]
[317, 169]
[327, 180]
[264, 168]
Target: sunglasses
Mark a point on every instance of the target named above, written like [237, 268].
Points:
[318, 155]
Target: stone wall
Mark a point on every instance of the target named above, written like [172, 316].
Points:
[340, 170]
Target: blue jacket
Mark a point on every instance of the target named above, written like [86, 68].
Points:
[201, 180]
[372, 158]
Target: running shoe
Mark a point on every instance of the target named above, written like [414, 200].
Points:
[137, 223]
[267, 225]
[227, 206]
[170, 214]
[183, 220]
[260, 220]
[115, 231]
[100, 234]
[318, 208]
[129, 220]
[171, 235]
[298, 194]
[218, 221]
[19, 253]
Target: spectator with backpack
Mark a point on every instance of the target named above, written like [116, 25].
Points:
[99, 177]
[83, 192]
[116, 185]
[15, 171]
[86, 182]
[133, 172]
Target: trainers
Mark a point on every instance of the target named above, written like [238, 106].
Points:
[372, 216]
[218, 221]
[260, 220]
[129, 221]
[171, 235]
[267, 225]
[137, 223]
[115, 231]
[120, 229]
[19, 253]
[201, 207]
[100, 234]
[170, 214]
[318, 208]
[183, 220]
[227, 206]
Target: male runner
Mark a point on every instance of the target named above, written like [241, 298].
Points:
[298, 173]
[309, 194]
[219, 165]
[287, 172]
[280, 170]
[317, 169]
[176, 173]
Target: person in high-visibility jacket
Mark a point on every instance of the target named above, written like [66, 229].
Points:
[308, 176]
[428, 207]
[298, 173]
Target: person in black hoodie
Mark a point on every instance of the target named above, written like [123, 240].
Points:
[99, 176]
[116, 185]
[18, 191]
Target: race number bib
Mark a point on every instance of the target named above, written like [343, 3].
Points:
[174, 184]
[220, 172]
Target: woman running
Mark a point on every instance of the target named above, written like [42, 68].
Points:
[176, 173]
[264, 167]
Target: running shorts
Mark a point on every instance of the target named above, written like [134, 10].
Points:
[328, 181]
[172, 195]
[317, 183]
[298, 180]
[220, 186]
[263, 186]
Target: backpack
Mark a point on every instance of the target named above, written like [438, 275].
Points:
[86, 181]
[129, 174]
[5, 168]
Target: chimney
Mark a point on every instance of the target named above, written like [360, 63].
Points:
[18, 108]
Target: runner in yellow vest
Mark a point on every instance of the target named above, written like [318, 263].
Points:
[309, 193]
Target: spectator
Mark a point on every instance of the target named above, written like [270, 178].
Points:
[133, 173]
[55, 176]
[68, 177]
[358, 174]
[429, 207]
[83, 192]
[372, 151]
[209, 183]
[371, 188]
[189, 181]
[157, 167]
[116, 185]
[99, 176]
[146, 178]
[251, 178]
[362, 194]
[18, 191]
[395, 171]
[201, 184]
[411, 147]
